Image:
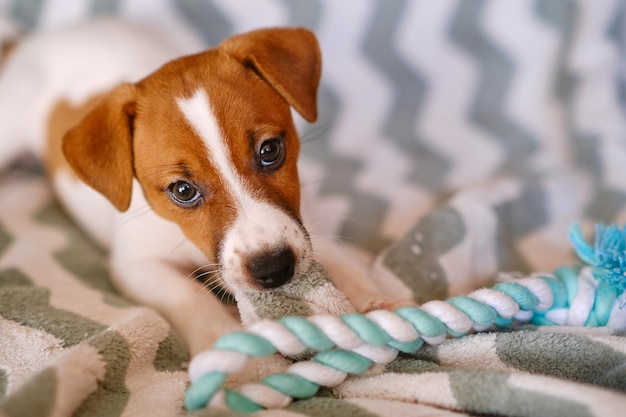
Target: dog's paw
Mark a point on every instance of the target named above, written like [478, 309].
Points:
[257, 368]
[378, 302]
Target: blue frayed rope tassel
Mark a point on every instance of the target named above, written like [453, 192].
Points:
[350, 344]
[607, 257]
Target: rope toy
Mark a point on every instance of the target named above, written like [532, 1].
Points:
[592, 295]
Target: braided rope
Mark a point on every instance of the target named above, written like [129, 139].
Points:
[350, 344]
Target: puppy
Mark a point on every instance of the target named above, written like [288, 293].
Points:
[186, 165]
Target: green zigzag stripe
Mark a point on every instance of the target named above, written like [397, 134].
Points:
[440, 231]
[410, 92]
[488, 392]
[497, 73]
[30, 306]
[112, 394]
[329, 407]
[519, 350]
[35, 398]
[517, 218]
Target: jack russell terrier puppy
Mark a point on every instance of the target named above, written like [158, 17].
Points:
[195, 164]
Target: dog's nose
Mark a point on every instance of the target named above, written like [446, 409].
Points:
[272, 269]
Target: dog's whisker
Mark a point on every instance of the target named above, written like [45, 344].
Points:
[208, 268]
[328, 239]
[341, 240]
[313, 225]
[132, 215]
[315, 133]
[178, 246]
[208, 278]
[207, 287]
[218, 288]
[137, 211]
[201, 274]
[221, 294]
[319, 256]
[312, 181]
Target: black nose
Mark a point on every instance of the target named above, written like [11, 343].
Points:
[272, 269]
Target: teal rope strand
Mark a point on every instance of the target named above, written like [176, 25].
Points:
[561, 288]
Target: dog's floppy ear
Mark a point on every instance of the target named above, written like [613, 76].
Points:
[99, 148]
[288, 59]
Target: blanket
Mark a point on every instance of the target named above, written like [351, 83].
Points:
[478, 373]
[457, 140]
[71, 345]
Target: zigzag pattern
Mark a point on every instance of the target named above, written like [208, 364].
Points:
[493, 86]
[208, 19]
[354, 138]
[424, 106]
[610, 198]
[423, 44]
[410, 89]
[422, 98]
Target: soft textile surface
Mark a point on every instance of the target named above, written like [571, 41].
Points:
[70, 345]
[457, 139]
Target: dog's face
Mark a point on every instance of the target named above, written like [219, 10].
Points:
[211, 140]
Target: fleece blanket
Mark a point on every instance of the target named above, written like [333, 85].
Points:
[71, 345]
[457, 140]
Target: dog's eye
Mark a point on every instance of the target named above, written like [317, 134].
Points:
[184, 193]
[272, 153]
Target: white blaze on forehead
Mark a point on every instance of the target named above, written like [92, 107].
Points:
[199, 113]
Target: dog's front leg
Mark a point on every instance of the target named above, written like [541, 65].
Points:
[351, 277]
[194, 313]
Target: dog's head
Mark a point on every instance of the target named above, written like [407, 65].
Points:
[211, 140]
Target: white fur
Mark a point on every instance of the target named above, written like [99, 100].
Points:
[85, 204]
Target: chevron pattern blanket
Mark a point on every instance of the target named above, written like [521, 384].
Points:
[457, 139]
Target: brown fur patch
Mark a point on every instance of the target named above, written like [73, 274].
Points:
[62, 118]
[6, 48]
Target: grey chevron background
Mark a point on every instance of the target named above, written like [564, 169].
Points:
[420, 99]
[457, 141]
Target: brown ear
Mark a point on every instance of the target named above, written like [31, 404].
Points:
[99, 149]
[288, 59]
